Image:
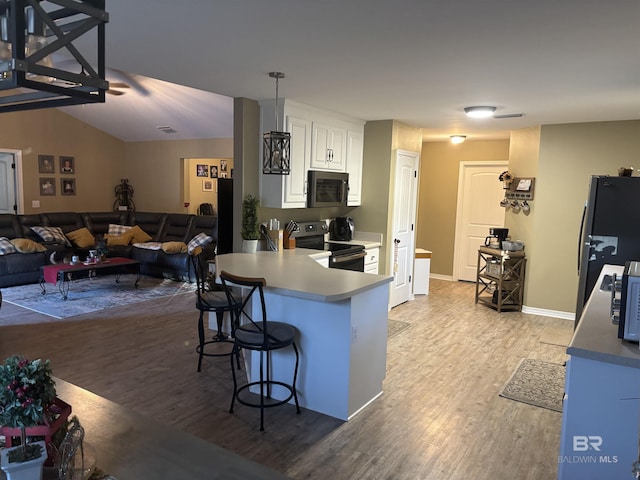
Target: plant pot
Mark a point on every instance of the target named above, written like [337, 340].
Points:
[31, 470]
[249, 246]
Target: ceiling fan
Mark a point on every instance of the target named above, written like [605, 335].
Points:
[509, 115]
[488, 111]
[116, 88]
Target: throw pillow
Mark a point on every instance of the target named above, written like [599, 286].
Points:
[174, 247]
[82, 238]
[139, 235]
[6, 247]
[200, 240]
[118, 240]
[117, 229]
[51, 235]
[25, 245]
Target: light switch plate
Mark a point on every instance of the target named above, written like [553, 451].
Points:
[35, 203]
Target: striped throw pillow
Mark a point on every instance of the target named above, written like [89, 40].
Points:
[6, 247]
[51, 235]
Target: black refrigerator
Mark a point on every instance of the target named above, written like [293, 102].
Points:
[610, 230]
[225, 215]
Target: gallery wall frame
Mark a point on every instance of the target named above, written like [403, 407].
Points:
[46, 164]
[207, 185]
[202, 170]
[67, 164]
[47, 186]
[67, 186]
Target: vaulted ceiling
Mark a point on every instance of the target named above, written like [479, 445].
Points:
[417, 61]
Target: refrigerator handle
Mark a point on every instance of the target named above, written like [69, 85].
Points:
[580, 245]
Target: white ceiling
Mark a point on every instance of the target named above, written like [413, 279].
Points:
[417, 61]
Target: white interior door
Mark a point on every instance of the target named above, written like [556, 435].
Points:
[404, 217]
[479, 196]
[7, 183]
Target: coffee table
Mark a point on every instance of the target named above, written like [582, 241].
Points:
[64, 273]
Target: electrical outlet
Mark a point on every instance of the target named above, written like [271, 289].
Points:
[35, 203]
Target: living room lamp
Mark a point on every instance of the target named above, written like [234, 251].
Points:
[31, 31]
[276, 145]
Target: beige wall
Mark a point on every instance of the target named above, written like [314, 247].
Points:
[194, 193]
[99, 159]
[569, 155]
[155, 170]
[437, 200]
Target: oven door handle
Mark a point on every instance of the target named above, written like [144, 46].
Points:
[348, 258]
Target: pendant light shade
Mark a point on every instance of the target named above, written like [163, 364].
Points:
[276, 145]
[31, 31]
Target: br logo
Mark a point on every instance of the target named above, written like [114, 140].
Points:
[582, 443]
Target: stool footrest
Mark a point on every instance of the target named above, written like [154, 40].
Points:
[271, 401]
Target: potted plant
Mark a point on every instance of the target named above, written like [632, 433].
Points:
[250, 226]
[27, 390]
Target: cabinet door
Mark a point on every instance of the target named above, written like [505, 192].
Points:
[328, 147]
[353, 163]
[295, 184]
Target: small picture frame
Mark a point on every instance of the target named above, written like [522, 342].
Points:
[67, 186]
[47, 186]
[223, 167]
[46, 164]
[213, 170]
[67, 165]
[207, 185]
[202, 170]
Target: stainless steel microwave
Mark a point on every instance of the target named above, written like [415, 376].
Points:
[327, 189]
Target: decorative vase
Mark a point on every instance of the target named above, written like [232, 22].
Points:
[30, 470]
[249, 246]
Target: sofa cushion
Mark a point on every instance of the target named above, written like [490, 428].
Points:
[6, 247]
[9, 226]
[139, 235]
[174, 247]
[200, 240]
[82, 238]
[26, 245]
[51, 235]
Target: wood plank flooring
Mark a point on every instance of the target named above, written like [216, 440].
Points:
[440, 416]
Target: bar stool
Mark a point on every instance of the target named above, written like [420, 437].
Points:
[262, 336]
[211, 300]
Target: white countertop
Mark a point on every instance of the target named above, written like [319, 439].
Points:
[293, 273]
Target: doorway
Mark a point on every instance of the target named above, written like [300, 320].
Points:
[403, 223]
[11, 199]
[479, 196]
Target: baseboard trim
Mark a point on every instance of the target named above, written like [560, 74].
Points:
[437, 276]
[549, 313]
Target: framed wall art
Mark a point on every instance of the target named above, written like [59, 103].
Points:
[67, 186]
[207, 185]
[202, 170]
[213, 169]
[67, 164]
[46, 164]
[47, 186]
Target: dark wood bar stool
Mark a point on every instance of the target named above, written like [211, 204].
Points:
[211, 298]
[262, 336]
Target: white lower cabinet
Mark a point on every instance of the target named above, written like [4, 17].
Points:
[371, 260]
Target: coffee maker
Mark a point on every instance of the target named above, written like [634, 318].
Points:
[496, 237]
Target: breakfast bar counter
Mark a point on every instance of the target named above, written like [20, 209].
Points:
[341, 319]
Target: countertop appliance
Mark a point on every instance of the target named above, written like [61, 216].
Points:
[327, 189]
[610, 230]
[629, 319]
[343, 256]
[341, 229]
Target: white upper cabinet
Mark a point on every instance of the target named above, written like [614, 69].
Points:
[320, 140]
[328, 146]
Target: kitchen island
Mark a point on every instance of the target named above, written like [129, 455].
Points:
[600, 428]
[341, 319]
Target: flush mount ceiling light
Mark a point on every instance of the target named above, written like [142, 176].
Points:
[480, 112]
[31, 31]
[276, 144]
[457, 138]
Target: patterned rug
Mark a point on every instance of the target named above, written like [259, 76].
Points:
[90, 295]
[536, 383]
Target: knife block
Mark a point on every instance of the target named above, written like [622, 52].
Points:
[288, 241]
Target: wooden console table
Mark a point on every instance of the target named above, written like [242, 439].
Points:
[129, 445]
[500, 278]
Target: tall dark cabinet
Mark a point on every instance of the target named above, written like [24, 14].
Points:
[225, 215]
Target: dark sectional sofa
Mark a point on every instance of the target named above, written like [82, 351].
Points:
[22, 268]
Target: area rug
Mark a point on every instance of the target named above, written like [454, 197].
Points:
[394, 327]
[90, 295]
[536, 383]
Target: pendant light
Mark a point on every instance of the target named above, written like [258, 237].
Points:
[276, 145]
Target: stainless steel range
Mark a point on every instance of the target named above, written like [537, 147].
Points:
[344, 256]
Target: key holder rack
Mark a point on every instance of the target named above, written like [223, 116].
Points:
[521, 189]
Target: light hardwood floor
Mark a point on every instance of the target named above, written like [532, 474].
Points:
[440, 416]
